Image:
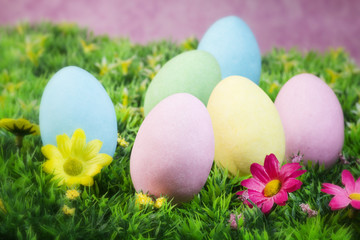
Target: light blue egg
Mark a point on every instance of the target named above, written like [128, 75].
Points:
[74, 99]
[232, 43]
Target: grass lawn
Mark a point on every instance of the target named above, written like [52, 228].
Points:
[33, 204]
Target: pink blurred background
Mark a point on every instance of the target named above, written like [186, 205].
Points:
[306, 24]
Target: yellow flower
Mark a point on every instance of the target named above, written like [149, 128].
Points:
[68, 211]
[20, 29]
[159, 202]
[288, 66]
[153, 60]
[122, 142]
[333, 75]
[335, 52]
[11, 87]
[67, 27]
[190, 43]
[2, 207]
[19, 127]
[151, 73]
[125, 97]
[139, 68]
[72, 194]
[143, 85]
[35, 47]
[74, 161]
[104, 67]
[143, 200]
[275, 85]
[125, 65]
[28, 106]
[5, 77]
[142, 112]
[87, 48]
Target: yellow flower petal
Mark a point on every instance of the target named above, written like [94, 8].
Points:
[93, 169]
[50, 151]
[36, 130]
[63, 144]
[92, 148]
[87, 47]
[72, 181]
[159, 202]
[53, 166]
[143, 199]
[122, 142]
[84, 180]
[68, 211]
[87, 181]
[102, 159]
[78, 142]
[21, 123]
[49, 166]
[72, 194]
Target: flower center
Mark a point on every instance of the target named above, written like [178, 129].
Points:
[73, 167]
[355, 196]
[272, 188]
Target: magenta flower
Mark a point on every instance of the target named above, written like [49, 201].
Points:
[306, 209]
[233, 220]
[270, 184]
[344, 196]
[244, 197]
[296, 158]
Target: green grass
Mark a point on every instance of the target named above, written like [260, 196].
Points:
[30, 55]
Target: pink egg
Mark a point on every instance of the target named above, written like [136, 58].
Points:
[174, 149]
[312, 118]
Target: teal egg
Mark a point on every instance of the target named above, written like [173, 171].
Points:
[73, 99]
[232, 43]
[194, 72]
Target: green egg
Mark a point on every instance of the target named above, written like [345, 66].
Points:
[195, 72]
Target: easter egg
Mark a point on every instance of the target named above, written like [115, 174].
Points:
[312, 118]
[73, 99]
[246, 124]
[194, 72]
[174, 149]
[232, 43]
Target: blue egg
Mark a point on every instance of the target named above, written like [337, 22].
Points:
[74, 99]
[234, 46]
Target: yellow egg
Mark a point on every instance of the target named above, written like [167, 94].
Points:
[246, 124]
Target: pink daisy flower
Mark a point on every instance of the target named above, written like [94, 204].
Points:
[344, 196]
[270, 183]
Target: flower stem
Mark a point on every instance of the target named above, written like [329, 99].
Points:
[19, 141]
